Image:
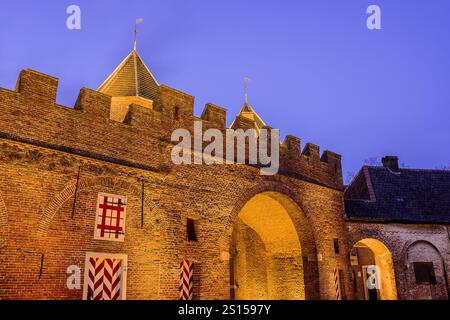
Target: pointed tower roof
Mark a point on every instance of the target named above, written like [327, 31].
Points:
[247, 117]
[248, 112]
[131, 78]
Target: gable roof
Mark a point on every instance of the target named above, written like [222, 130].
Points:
[131, 78]
[409, 195]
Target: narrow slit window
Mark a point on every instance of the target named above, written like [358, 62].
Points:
[176, 113]
[191, 234]
[336, 246]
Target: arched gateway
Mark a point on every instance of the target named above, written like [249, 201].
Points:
[271, 239]
[373, 271]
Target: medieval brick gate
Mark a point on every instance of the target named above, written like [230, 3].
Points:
[60, 230]
[95, 187]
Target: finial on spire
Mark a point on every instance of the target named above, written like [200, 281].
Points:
[136, 22]
[246, 81]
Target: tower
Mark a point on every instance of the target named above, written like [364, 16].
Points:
[247, 118]
[131, 82]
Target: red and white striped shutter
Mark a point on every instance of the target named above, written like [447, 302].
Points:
[186, 279]
[337, 284]
[105, 277]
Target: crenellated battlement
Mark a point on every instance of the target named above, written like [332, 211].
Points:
[94, 103]
[295, 160]
[132, 130]
[215, 115]
[36, 86]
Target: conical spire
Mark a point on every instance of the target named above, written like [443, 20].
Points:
[248, 112]
[131, 78]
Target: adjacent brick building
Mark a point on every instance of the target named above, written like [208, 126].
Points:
[398, 218]
[92, 189]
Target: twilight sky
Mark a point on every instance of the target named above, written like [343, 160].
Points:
[318, 72]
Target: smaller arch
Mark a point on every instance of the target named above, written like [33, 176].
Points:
[425, 252]
[54, 206]
[412, 243]
[109, 182]
[370, 254]
[68, 192]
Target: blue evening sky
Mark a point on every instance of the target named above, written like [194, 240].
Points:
[318, 72]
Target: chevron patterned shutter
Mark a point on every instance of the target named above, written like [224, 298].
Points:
[104, 278]
[337, 284]
[186, 279]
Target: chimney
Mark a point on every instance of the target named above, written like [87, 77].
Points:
[391, 162]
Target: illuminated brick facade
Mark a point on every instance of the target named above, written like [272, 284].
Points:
[257, 236]
[55, 161]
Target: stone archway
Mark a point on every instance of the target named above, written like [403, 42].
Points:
[269, 252]
[372, 260]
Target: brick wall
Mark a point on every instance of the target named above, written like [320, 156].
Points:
[55, 160]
